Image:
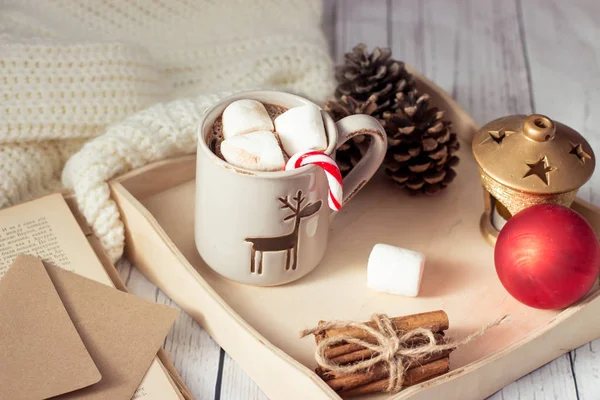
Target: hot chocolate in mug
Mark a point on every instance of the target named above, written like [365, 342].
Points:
[271, 228]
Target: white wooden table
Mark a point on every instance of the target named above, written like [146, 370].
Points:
[496, 57]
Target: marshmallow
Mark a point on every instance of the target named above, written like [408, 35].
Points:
[301, 129]
[257, 151]
[245, 116]
[395, 270]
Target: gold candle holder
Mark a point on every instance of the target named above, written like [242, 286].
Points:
[528, 160]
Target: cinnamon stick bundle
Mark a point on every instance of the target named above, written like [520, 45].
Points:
[376, 377]
[385, 354]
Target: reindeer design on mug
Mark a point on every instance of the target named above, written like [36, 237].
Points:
[288, 242]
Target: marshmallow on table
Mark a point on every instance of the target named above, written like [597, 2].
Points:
[257, 151]
[245, 116]
[301, 129]
[395, 270]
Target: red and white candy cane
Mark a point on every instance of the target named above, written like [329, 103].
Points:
[327, 164]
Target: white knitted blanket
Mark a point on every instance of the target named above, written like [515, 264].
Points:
[70, 68]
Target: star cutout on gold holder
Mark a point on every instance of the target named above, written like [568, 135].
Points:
[498, 136]
[577, 150]
[541, 169]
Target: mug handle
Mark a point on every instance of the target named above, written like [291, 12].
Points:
[360, 124]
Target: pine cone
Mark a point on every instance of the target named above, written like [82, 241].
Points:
[367, 84]
[421, 145]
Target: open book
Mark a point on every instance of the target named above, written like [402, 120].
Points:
[47, 228]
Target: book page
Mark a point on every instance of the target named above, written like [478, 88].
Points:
[46, 228]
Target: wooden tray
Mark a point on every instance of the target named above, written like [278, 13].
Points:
[259, 327]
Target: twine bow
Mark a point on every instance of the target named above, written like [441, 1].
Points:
[391, 347]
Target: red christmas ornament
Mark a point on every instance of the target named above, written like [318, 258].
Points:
[547, 256]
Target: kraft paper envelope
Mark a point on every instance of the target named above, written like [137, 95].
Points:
[121, 332]
[41, 353]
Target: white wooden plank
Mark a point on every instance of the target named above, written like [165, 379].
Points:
[472, 49]
[360, 21]
[236, 385]
[194, 353]
[586, 368]
[425, 36]
[328, 22]
[553, 381]
[565, 68]
[562, 41]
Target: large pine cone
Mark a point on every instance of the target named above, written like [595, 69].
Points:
[421, 145]
[367, 84]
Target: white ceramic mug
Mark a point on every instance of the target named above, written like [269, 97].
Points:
[270, 228]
